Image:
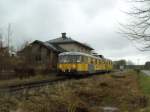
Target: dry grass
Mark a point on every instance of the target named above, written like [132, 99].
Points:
[84, 95]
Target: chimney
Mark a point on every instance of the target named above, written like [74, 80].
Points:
[64, 35]
[101, 56]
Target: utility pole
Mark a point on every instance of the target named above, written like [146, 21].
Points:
[1, 41]
[8, 34]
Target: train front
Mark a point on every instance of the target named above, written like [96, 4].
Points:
[68, 64]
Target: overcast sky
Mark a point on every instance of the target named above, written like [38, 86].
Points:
[90, 21]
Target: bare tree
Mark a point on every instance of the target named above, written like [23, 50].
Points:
[138, 27]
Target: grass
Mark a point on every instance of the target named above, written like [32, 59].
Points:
[144, 82]
[84, 95]
[144, 85]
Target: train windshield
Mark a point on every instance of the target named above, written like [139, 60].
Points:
[69, 59]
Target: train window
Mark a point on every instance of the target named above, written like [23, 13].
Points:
[89, 60]
[110, 62]
[63, 59]
[69, 58]
[96, 61]
[85, 59]
[78, 59]
[99, 61]
[92, 61]
[103, 62]
[73, 59]
[82, 58]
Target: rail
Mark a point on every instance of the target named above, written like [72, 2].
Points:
[31, 85]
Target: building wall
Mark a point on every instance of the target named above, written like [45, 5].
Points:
[40, 57]
[75, 47]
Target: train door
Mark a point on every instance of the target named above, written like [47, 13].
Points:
[91, 66]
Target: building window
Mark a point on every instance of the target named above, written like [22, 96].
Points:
[38, 58]
[48, 53]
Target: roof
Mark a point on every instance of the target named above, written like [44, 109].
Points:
[54, 43]
[59, 48]
[47, 45]
[66, 40]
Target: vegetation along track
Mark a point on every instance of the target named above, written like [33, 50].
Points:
[31, 85]
[36, 84]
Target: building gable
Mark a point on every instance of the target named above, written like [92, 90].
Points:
[65, 40]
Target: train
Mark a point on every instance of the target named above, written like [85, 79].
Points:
[78, 63]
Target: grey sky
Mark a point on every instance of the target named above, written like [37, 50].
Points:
[90, 21]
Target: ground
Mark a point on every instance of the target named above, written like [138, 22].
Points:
[91, 94]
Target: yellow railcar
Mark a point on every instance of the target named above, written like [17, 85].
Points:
[78, 63]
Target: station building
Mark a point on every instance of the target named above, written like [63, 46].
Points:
[45, 54]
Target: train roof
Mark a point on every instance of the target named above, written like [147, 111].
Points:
[82, 54]
[75, 53]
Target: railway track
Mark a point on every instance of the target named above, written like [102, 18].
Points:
[31, 85]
